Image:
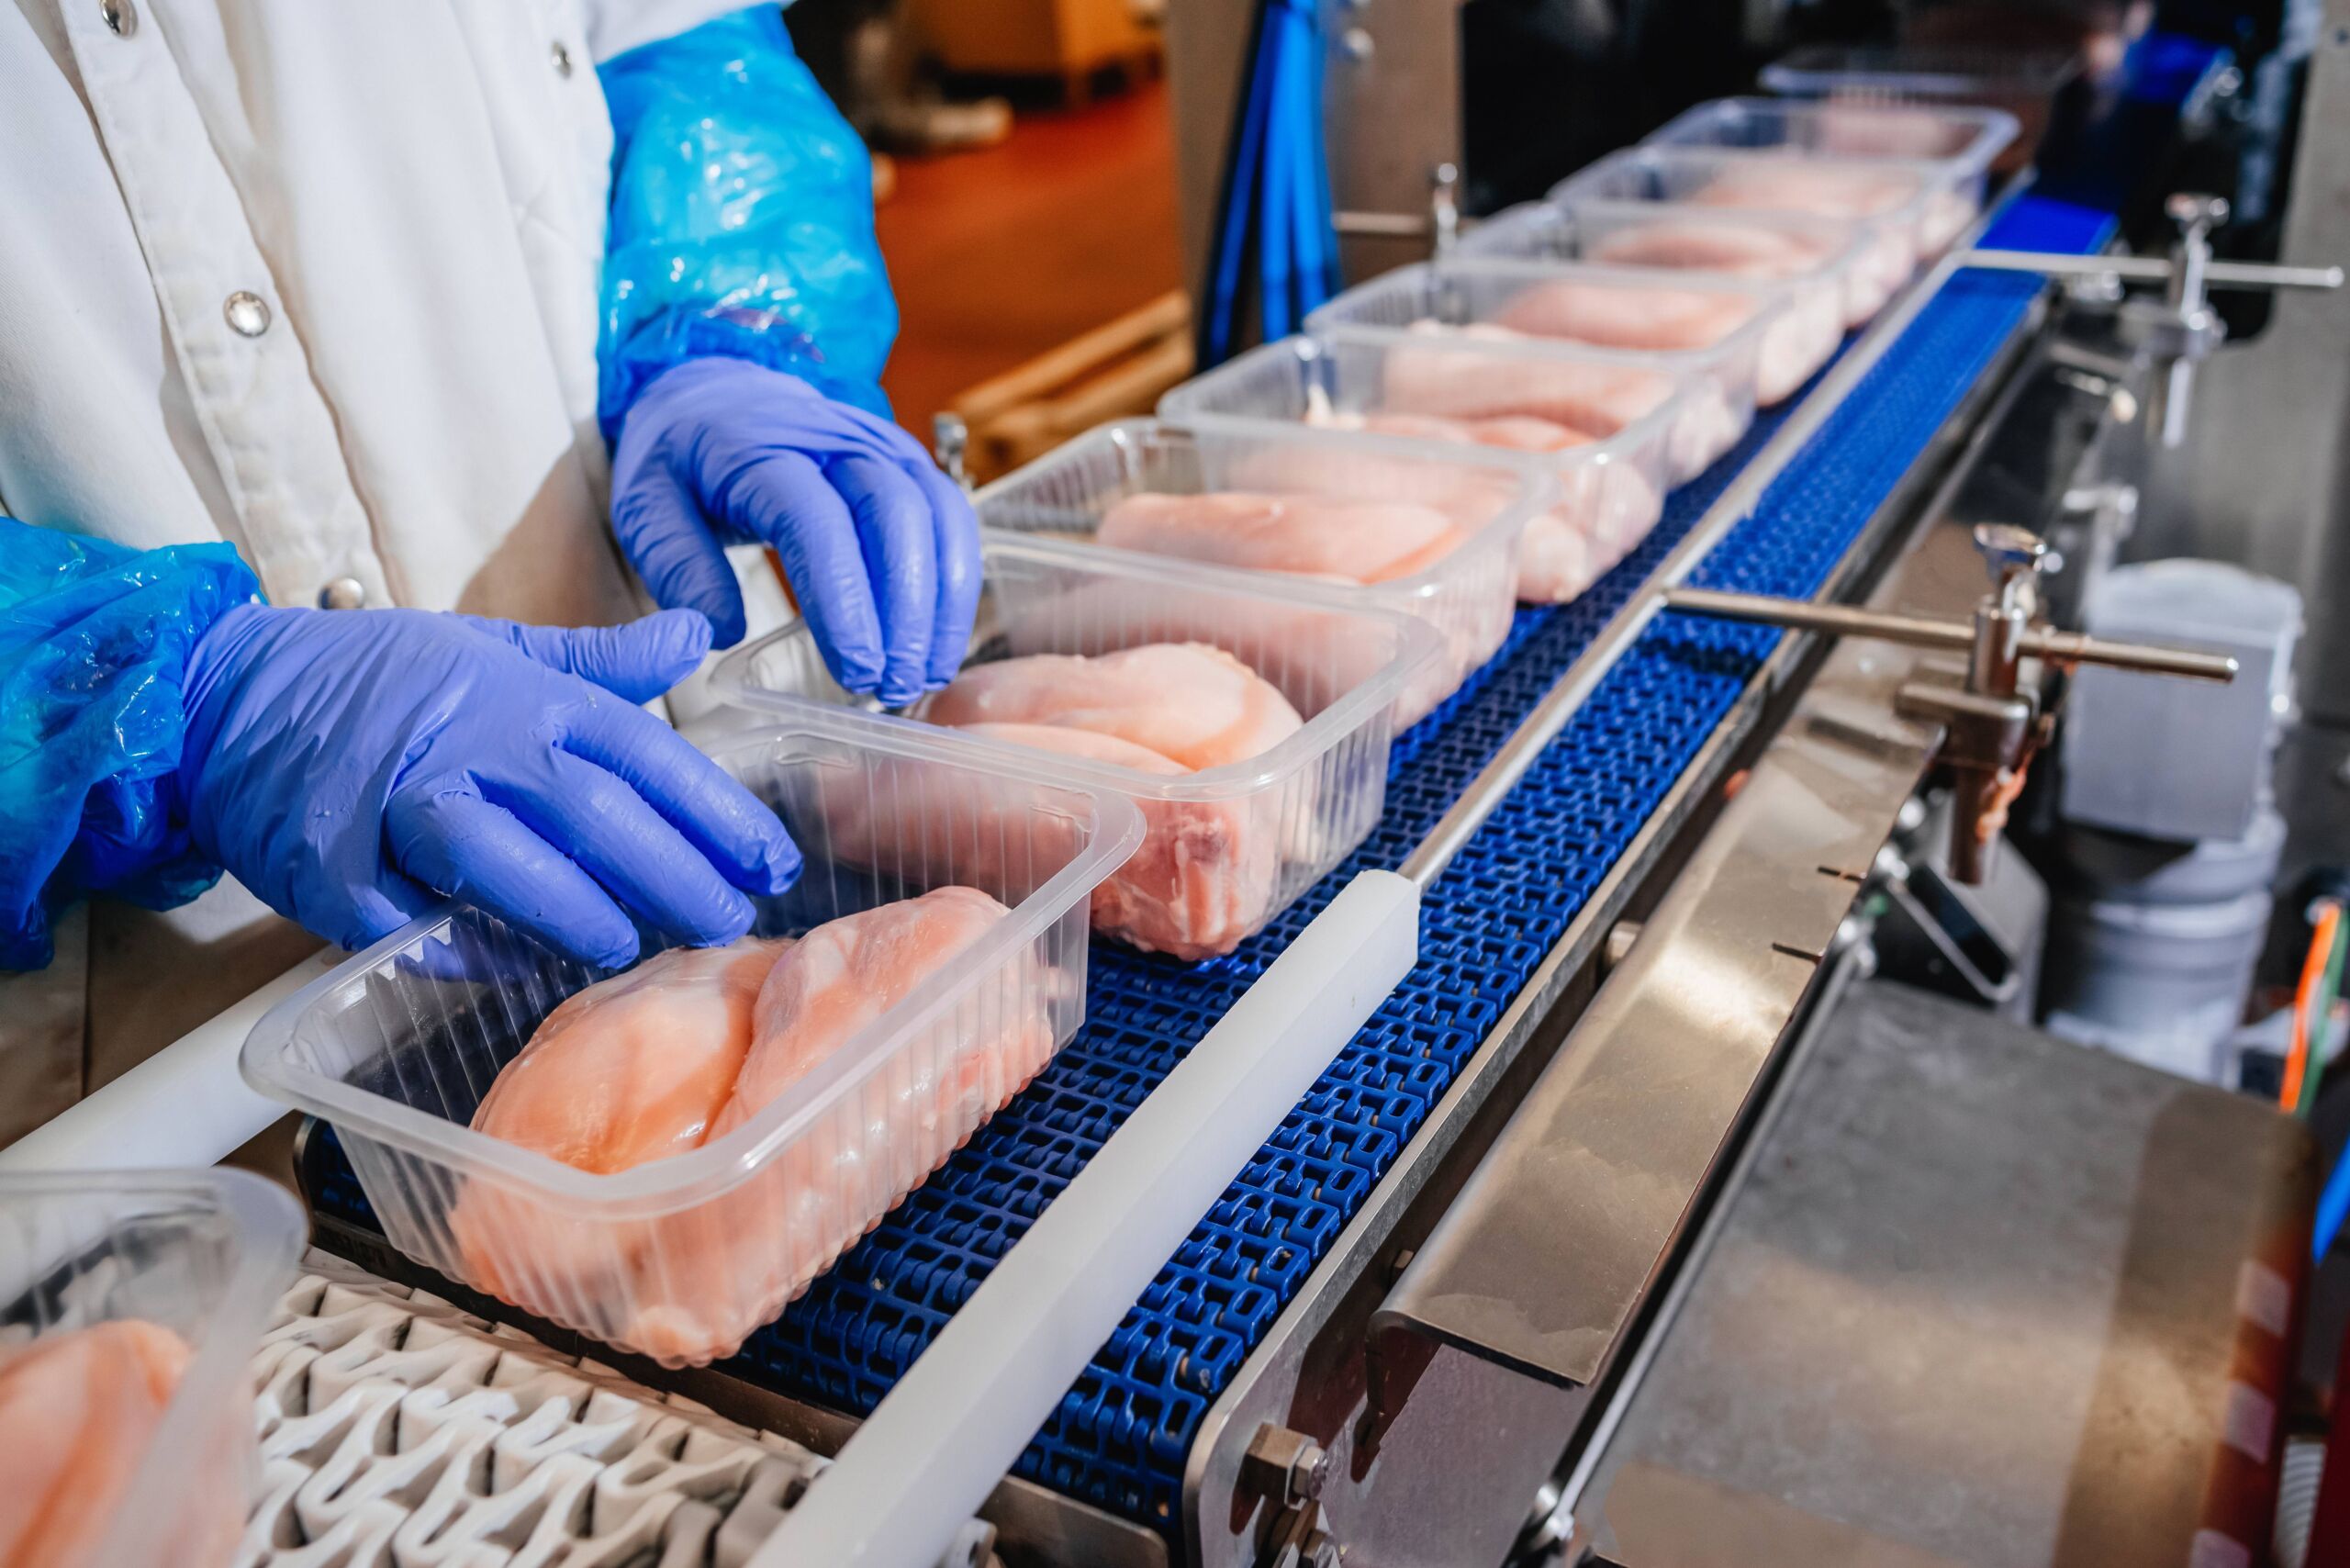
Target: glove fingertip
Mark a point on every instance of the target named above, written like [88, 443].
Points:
[733, 925]
[779, 866]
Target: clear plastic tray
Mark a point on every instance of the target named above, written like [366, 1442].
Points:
[2024, 82]
[1821, 263]
[204, 1253]
[1610, 491]
[1912, 203]
[1467, 597]
[1962, 141]
[1760, 353]
[1226, 848]
[680, 1259]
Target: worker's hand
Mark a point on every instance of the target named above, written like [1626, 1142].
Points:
[348, 765]
[882, 550]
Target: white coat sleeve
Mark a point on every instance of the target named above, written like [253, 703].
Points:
[615, 26]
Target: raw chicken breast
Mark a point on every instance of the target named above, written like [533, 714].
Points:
[1307, 535]
[1197, 706]
[1804, 184]
[692, 1043]
[632, 1068]
[1892, 132]
[1512, 432]
[1615, 315]
[1589, 399]
[1471, 608]
[636, 1067]
[78, 1409]
[1607, 507]
[1202, 880]
[1886, 130]
[1626, 317]
[1739, 249]
[847, 973]
[1761, 251]
[1591, 396]
[1801, 338]
[1828, 190]
[729, 1266]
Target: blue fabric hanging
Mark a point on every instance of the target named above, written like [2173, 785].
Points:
[1275, 230]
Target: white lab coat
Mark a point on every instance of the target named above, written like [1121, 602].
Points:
[318, 278]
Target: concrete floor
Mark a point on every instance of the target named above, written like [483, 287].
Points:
[1000, 256]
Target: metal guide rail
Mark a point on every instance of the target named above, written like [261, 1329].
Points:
[1505, 887]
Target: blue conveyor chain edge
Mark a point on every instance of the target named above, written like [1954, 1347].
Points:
[1121, 1436]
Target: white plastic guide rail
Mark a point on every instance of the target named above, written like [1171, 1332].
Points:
[930, 1454]
[184, 1106]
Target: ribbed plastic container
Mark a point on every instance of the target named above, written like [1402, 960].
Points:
[1611, 490]
[1962, 142]
[2023, 82]
[1738, 345]
[203, 1253]
[1226, 848]
[680, 1259]
[1904, 205]
[1467, 597]
[1819, 260]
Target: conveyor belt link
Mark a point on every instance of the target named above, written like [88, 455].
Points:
[398, 1433]
[1121, 1436]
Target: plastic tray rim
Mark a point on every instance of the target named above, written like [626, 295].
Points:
[664, 1186]
[1537, 494]
[1771, 297]
[1994, 129]
[1932, 175]
[1849, 236]
[1416, 645]
[1651, 427]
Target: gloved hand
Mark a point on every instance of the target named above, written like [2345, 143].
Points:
[348, 765]
[882, 550]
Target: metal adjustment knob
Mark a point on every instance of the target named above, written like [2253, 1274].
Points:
[2008, 548]
[2195, 212]
[2183, 329]
[1443, 207]
[950, 443]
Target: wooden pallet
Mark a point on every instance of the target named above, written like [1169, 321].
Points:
[1116, 370]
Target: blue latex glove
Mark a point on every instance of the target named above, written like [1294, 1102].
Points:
[881, 549]
[346, 766]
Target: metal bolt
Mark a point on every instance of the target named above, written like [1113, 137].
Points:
[561, 55]
[248, 313]
[1288, 1469]
[1357, 44]
[344, 593]
[120, 16]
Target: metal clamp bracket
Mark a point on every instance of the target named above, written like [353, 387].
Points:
[1992, 719]
[2181, 329]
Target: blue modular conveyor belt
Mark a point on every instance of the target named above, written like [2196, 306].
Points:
[1121, 1436]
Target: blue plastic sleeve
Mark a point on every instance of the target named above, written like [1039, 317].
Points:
[95, 641]
[742, 219]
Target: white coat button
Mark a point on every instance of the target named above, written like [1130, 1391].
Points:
[344, 593]
[248, 313]
[120, 17]
[561, 54]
